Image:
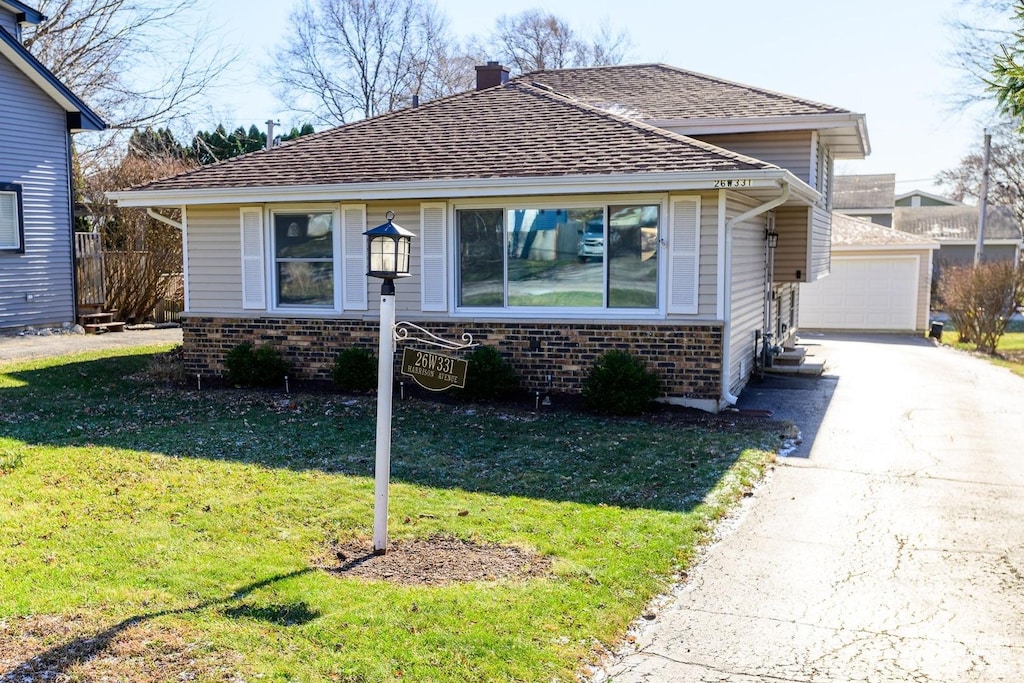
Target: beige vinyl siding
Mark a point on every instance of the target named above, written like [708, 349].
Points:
[787, 303]
[747, 291]
[214, 259]
[820, 257]
[707, 292]
[791, 150]
[791, 222]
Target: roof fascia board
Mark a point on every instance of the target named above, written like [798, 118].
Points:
[750, 124]
[765, 179]
[25, 14]
[47, 82]
[762, 124]
[908, 246]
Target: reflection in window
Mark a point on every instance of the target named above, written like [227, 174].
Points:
[304, 258]
[547, 266]
[633, 251]
[559, 257]
[481, 257]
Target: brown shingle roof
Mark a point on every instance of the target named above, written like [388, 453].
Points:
[662, 92]
[956, 223]
[511, 131]
[848, 231]
[852, 192]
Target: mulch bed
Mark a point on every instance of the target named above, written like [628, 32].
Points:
[437, 560]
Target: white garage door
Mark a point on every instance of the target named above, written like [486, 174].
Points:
[863, 293]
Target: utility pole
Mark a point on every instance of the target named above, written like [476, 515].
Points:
[979, 248]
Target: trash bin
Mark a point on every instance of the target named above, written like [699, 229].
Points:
[936, 331]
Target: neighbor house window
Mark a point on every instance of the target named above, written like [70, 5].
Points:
[567, 257]
[12, 230]
[304, 258]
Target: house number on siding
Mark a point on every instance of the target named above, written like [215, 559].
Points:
[741, 182]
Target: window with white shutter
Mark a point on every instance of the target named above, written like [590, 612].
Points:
[353, 248]
[433, 256]
[11, 226]
[684, 254]
[254, 290]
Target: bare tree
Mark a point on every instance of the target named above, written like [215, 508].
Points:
[979, 36]
[142, 256]
[536, 39]
[137, 63]
[347, 59]
[1006, 172]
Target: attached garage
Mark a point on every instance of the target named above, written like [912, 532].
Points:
[880, 280]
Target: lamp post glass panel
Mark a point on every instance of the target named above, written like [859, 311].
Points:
[388, 250]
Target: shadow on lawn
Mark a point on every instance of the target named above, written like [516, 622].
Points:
[58, 660]
[667, 461]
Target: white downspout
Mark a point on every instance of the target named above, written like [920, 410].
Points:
[163, 219]
[725, 301]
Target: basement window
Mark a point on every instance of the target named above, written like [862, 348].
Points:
[12, 227]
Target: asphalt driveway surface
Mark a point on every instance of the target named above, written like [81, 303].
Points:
[888, 547]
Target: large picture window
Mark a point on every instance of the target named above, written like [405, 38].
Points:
[12, 232]
[304, 245]
[572, 257]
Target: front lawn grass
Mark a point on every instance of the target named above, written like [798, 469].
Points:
[1009, 351]
[153, 532]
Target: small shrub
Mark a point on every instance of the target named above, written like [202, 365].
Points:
[981, 299]
[619, 384]
[489, 376]
[355, 369]
[249, 366]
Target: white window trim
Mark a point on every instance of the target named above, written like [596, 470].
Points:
[270, 254]
[560, 313]
[14, 191]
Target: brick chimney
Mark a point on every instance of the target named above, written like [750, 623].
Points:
[490, 75]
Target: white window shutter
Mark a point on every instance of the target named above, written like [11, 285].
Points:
[254, 288]
[684, 255]
[433, 257]
[353, 249]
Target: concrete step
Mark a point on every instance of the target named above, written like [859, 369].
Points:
[812, 368]
[794, 356]
[100, 328]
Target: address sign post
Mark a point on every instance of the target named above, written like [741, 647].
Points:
[389, 249]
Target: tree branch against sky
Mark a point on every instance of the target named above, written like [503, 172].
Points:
[135, 62]
[537, 39]
[1006, 173]
[349, 59]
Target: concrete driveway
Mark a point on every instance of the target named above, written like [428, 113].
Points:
[889, 547]
[15, 348]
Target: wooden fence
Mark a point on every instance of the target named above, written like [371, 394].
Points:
[89, 271]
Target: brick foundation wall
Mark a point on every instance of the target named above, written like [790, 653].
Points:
[687, 356]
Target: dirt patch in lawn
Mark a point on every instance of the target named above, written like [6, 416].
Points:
[74, 648]
[433, 561]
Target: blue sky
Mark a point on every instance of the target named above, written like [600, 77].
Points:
[887, 59]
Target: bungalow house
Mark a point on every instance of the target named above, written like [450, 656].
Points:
[38, 114]
[557, 215]
[955, 228]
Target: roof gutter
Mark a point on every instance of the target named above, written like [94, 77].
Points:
[725, 280]
[467, 188]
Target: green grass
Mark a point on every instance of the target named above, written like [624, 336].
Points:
[1009, 351]
[134, 507]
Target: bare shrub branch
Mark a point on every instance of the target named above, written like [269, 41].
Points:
[980, 300]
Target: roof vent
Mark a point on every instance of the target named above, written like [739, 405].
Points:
[490, 75]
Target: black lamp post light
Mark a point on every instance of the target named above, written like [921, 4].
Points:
[388, 250]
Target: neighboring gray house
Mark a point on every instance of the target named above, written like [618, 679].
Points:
[557, 215]
[871, 197]
[955, 228]
[37, 116]
[922, 198]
